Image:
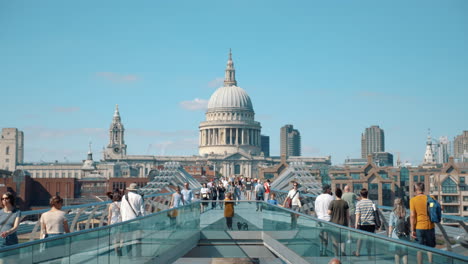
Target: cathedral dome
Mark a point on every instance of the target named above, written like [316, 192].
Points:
[231, 97]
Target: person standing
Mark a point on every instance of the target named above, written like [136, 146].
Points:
[398, 214]
[177, 200]
[228, 210]
[422, 228]
[365, 219]
[221, 192]
[214, 195]
[259, 195]
[322, 203]
[351, 199]
[266, 185]
[9, 220]
[205, 196]
[187, 193]
[131, 207]
[248, 189]
[113, 216]
[296, 205]
[339, 214]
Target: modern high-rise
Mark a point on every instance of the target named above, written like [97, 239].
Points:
[265, 145]
[290, 141]
[442, 150]
[372, 140]
[460, 146]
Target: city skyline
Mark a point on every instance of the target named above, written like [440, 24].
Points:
[64, 69]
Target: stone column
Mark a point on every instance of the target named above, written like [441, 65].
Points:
[237, 136]
[242, 136]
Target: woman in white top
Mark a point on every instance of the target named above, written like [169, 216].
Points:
[114, 209]
[296, 205]
[54, 222]
[205, 195]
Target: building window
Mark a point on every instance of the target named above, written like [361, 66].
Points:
[404, 174]
[451, 209]
[421, 178]
[383, 174]
[449, 186]
[374, 191]
[465, 198]
[7, 151]
[465, 208]
[43, 175]
[450, 199]
[355, 176]
[387, 194]
[415, 178]
[357, 188]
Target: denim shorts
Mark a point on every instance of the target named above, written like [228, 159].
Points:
[426, 237]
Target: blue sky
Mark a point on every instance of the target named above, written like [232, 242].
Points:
[330, 68]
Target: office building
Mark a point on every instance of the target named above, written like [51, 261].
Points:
[265, 145]
[372, 140]
[290, 141]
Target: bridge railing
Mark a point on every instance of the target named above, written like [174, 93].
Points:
[164, 236]
[450, 235]
[84, 216]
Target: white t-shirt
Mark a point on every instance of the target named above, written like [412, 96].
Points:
[322, 203]
[53, 221]
[136, 202]
[295, 199]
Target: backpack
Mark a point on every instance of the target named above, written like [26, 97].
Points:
[434, 211]
[402, 227]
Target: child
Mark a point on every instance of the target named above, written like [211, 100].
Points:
[228, 210]
[272, 199]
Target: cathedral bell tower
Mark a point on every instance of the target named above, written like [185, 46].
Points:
[116, 148]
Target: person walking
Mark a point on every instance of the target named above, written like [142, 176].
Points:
[365, 220]
[131, 207]
[177, 200]
[296, 205]
[422, 228]
[339, 214]
[54, 222]
[214, 195]
[267, 185]
[187, 193]
[259, 195]
[221, 193]
[9, 220]
[205, 196]
[114, 216]
[228, 210]
[322, 203]
[397, 221]
[248, 189]
[350, 198]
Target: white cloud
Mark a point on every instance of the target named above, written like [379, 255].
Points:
[195, 104]
[117, 77]
[217, 82]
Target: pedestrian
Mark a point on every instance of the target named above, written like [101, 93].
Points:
[221, 193]
[339, 214]
[294, 197]
[228, 210]
[351, 199]
[273, 200]
[187, 193]
[266, 185]
[398, 220]
[131, 207]
[9, 220]
[322, 203]
[205, 196]
[365, 220]
[177, 200]
[422, 228]
[237, 190]
[114, 216]
[214, 195]
[248, 189]
[259, 195]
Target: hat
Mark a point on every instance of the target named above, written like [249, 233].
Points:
[326, 187]
[132, 187]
